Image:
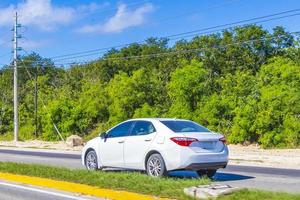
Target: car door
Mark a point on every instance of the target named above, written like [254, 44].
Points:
[138, 143]
[112, 145]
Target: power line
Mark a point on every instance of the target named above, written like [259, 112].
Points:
[132, 4]
[177, 36]
[194, 32]
[181, 51]
[258, 22]
[191, 12]
[190, 34]
[139, 2]
[96, 53]
[42, 100]
[238, 22]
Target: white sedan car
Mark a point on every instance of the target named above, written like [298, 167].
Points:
[157, 146]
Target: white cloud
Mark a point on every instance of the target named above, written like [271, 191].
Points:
[31, 44]
[40, 13]
[123, 19]
[46, 16]
[6, 15]
[92, 7]
[24, 43]
[2, 42]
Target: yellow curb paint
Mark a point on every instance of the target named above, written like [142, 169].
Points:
[75, 187]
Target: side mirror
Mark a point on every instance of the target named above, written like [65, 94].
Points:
[102, 135]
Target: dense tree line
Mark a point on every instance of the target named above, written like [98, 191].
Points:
[243, 82]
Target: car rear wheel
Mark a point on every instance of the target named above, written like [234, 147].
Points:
[207, 172]
[155, 166]
[91, 162]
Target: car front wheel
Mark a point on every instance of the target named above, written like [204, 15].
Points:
[155, 166]
[207, 172]
[91, 162]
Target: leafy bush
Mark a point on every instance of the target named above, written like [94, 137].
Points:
[248, 91]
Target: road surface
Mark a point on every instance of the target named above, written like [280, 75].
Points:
[24, 192]
[273, 179]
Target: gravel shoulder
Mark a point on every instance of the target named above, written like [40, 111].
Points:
[251, 155]
[39, 145]
[255, 156]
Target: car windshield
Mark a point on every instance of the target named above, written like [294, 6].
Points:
[179, 126]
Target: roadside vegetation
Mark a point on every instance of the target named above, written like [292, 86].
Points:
[243, 82]
[134, 182]
[129, 181]
[248, 194]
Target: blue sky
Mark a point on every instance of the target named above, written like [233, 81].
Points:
[53, 28]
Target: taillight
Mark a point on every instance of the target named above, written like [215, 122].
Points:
[223, 139]
[183, 141]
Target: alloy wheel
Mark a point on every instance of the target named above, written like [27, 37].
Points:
[91, 161]
[156, 166]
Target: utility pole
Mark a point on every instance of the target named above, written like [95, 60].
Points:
[16, 116]
[36, 102]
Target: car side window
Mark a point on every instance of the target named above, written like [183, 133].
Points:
[142, 128]
[120, 130]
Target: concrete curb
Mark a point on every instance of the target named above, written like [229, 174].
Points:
[75, 187]
[210, 191]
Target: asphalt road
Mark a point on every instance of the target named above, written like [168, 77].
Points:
[12, 191]
[273, 179]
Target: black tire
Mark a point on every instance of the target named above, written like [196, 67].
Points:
[207, 172]
[91, 161]
[155, 166]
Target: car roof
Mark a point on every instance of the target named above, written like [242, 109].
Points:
[157, 119]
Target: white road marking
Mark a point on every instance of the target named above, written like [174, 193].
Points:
[41, 191]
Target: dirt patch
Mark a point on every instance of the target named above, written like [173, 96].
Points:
[38, 144]
[253, 155]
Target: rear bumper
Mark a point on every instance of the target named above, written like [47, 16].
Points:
[186, 158]
[213, 165]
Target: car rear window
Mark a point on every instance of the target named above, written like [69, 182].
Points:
[179, 126]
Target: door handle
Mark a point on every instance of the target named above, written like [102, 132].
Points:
[148, 140]
[120, 142]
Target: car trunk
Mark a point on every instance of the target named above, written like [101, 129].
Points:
[207, 142]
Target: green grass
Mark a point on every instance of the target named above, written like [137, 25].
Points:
[246, 194]
[134, 182]
[129, 181]
[6, 137]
